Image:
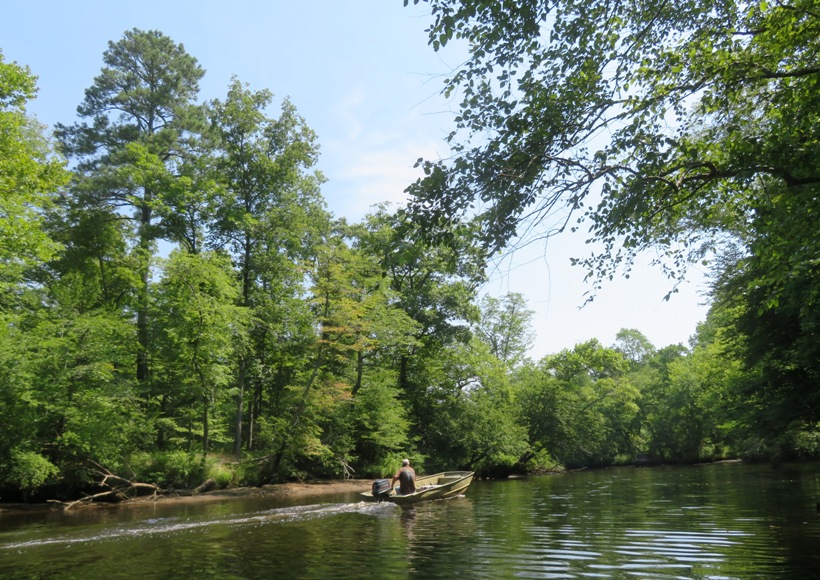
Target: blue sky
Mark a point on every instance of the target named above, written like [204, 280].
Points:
[362, 75]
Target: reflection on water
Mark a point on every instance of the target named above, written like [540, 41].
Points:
[720, 521]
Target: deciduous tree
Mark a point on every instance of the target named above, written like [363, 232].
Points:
[200, 327]
[672, 111]
[505, 324]
[30, 175]
[269, 217]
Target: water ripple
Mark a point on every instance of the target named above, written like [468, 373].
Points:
[175, 525]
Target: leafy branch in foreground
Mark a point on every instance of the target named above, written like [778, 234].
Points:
[651, 124]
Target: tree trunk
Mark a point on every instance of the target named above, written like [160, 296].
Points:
[163, 403]
[243, 363]
[143, 330]
[205, 433]
[359, 372]
[240, 397]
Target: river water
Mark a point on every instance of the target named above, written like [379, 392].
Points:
[716, 521]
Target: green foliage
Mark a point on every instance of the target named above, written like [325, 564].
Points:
[17, 413]
[434, 283]
[139, 129]
[181, 470]
[30, 174]
[506, 326]
[268, 215]
[699, 100]
[381, 423]
[493, 441]
[69, 392]
[169, 469]
[541, 462]
[199, 327]
[679, 430]
[581, 406]
[28, 471]
[222, 475]
[806, 440]
[690, 129]
[633, 345]
[770, 300]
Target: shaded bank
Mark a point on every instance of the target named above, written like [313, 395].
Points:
[292, 489]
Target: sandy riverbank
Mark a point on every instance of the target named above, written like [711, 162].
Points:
[293, 489]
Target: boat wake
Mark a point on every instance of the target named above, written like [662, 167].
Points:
[175, 525]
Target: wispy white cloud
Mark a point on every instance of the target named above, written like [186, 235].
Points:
[369, 163]
[350, 126]
[374, 176]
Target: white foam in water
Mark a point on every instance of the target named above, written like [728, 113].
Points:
[173, 525]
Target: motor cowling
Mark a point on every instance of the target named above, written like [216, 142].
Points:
[381, 489]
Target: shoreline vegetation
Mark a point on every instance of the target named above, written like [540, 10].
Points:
[294, 489]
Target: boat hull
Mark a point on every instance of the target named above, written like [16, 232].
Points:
[429, 487]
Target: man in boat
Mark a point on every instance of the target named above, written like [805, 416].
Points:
[406, 476]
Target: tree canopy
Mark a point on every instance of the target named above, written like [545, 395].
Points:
[688, 127]
[658, 125]
[30, 175]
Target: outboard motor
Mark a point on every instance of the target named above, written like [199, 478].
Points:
[381, 489]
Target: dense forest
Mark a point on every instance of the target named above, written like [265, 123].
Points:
[178, 305]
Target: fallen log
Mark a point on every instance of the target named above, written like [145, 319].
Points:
[119, 488]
